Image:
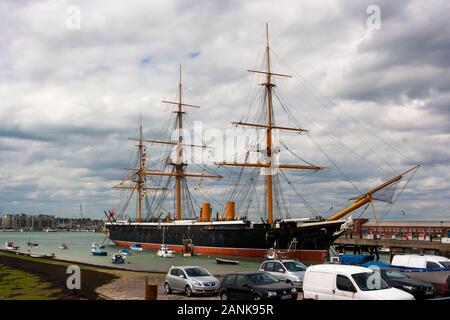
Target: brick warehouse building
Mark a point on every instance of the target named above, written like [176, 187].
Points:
[402, 229]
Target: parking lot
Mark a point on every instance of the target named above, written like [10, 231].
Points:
[132, 287]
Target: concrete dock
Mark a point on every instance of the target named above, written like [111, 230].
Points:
[437, 247]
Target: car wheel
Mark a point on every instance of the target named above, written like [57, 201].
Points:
[256, 297]
[188, 291]
[224, 296]
[167, 288]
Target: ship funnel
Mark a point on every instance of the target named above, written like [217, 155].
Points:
[229, 211]
[206, 212]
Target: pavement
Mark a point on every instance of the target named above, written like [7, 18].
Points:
[132, 288]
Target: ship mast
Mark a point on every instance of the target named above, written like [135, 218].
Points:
[268, 85]
[179, 166]
[269, 126]
[369, 196]
[141, 175]
[138, 184]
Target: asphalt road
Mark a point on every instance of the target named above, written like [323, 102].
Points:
[132, 288]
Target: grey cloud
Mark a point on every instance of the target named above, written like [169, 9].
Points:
[71, 98]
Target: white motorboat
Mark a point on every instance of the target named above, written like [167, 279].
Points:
[136, 247]
[9, 245]
[384, 250]
[45, 256]
[99, 250]
[165, 252]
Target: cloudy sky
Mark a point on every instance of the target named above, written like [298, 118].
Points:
[75, 75]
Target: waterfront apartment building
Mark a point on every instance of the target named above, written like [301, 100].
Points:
[79, 223]
[43, 221]
[14, 221]
[30, 222]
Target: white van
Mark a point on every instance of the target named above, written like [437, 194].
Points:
[345, 282]
[420, 261]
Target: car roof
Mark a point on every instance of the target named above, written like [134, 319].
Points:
[339, 268]
[384, 268]
[281, 260]
[185, 267]
[429, 257]
[244, 273]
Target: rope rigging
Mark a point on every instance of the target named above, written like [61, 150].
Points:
[248, 189]
[317, 95]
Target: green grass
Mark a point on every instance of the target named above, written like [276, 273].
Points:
[116, 272]
[19, 285]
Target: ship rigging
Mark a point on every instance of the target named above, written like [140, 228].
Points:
[233, 233]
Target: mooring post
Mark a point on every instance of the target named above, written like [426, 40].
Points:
[151, 291]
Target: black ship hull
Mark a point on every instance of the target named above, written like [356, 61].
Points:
[235, 238]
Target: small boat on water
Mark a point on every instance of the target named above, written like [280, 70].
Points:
[44, 256]
[165, 252]
[384, 250]
[188, 248]
[99, 251]
[226, 261]
[50, 230]
[136, 247]
[125, 252]
[63, 246]
[94, 245]
[51, 255]
[271, 254]
[118, 258]
[9, 245]
[32, 244]
[274, 254]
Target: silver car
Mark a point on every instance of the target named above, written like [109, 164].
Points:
[191, 280]
[289, 271]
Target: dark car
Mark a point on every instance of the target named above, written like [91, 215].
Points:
[255, 286]
[447, 287]
[397, 279]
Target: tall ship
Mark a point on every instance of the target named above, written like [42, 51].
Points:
[161, 190]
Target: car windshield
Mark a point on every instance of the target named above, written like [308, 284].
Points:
[294, 266]
[197, 272]
[262, 278]
[395, 274]
[445, 264]
[368, 281]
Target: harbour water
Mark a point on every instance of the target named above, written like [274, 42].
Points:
[79, 250]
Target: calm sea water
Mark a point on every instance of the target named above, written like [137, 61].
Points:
[79, 250]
